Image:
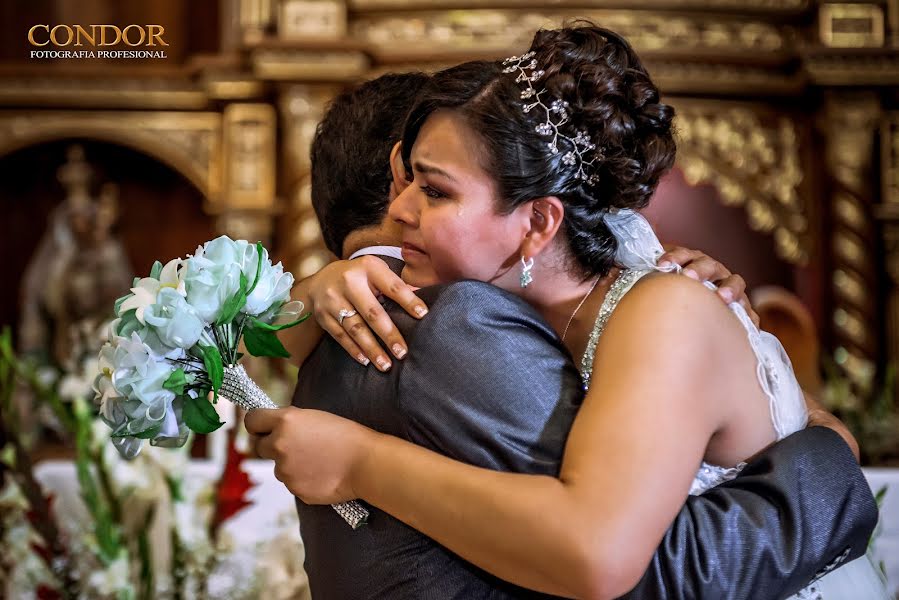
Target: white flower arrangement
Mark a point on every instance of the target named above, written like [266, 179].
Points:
[175, 339]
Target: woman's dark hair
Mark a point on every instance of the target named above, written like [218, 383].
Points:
[609, 95]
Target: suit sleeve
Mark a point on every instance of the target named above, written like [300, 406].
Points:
[800, 507]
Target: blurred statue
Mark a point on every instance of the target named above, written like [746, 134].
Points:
[79, 269]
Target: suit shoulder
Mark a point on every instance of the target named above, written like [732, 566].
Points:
[465, 311]
[466, 297]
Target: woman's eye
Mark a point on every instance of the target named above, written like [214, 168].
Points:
[432, 192]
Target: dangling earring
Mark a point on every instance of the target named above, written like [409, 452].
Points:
[526, 277]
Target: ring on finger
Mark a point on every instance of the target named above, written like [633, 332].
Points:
[343, 314]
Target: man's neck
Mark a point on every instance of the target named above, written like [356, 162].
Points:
[386, 234]
[380, 250]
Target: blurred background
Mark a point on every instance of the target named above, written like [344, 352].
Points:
[788, 173]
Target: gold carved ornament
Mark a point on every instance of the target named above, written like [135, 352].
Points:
[752, 165]
[189, 142]
[301, 108]
[397, 36]
[850, 125]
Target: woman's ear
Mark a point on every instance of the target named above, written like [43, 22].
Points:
[545, 217]
[398, 169]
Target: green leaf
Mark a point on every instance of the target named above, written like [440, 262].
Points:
[149, 434]
[200, 416]
[175, 488]
[118, 303]
[176, 382]
[258, 267]
[212, 360]
[128, 323]
[267, 327]
[260, 342]
[156, 270]
[234, 303]
[8, 456]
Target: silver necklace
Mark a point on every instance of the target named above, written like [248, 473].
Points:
[578, 307]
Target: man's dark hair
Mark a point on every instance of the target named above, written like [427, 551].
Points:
[350, 152]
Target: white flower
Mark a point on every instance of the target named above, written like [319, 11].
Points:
[114, 579]
[174, 320]
[148, 288]
[212, 275]
[127, 324]
[272, 288]
[138, 377]
[103, 386]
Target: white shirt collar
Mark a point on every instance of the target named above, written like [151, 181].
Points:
[391, 251]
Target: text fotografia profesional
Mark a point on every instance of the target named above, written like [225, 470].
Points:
[98, 54]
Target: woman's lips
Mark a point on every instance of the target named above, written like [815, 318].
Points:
[411, 251]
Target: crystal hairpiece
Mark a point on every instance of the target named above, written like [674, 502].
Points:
[556, 116]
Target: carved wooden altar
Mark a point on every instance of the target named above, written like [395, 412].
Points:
[789, 108]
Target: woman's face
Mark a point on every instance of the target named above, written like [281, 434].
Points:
[451, 228]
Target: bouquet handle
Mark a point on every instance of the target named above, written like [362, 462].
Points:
[240, 389]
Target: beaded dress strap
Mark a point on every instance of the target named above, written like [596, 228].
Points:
[622, 284]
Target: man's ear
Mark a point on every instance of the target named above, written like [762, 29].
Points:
[545, 219]
[398, 169]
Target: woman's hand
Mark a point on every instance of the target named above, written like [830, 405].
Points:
[701, 267]
[315, 453]
[352, 287]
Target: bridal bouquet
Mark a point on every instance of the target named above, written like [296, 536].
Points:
[175, 340]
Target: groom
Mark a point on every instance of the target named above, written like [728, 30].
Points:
[794, 510]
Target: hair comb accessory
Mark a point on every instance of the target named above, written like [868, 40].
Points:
[582, 152]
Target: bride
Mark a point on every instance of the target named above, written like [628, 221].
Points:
[526, 174]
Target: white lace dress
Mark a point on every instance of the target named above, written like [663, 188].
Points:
[638, 250]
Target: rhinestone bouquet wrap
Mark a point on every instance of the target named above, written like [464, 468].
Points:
[240, 389]
[174, 346]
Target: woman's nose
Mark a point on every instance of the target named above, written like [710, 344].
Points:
[402, 209]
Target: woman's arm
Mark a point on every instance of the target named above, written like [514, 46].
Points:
[629, 461]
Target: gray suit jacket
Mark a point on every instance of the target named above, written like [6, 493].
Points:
[488, 382]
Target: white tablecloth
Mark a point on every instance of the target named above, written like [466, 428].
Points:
[272, 506]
